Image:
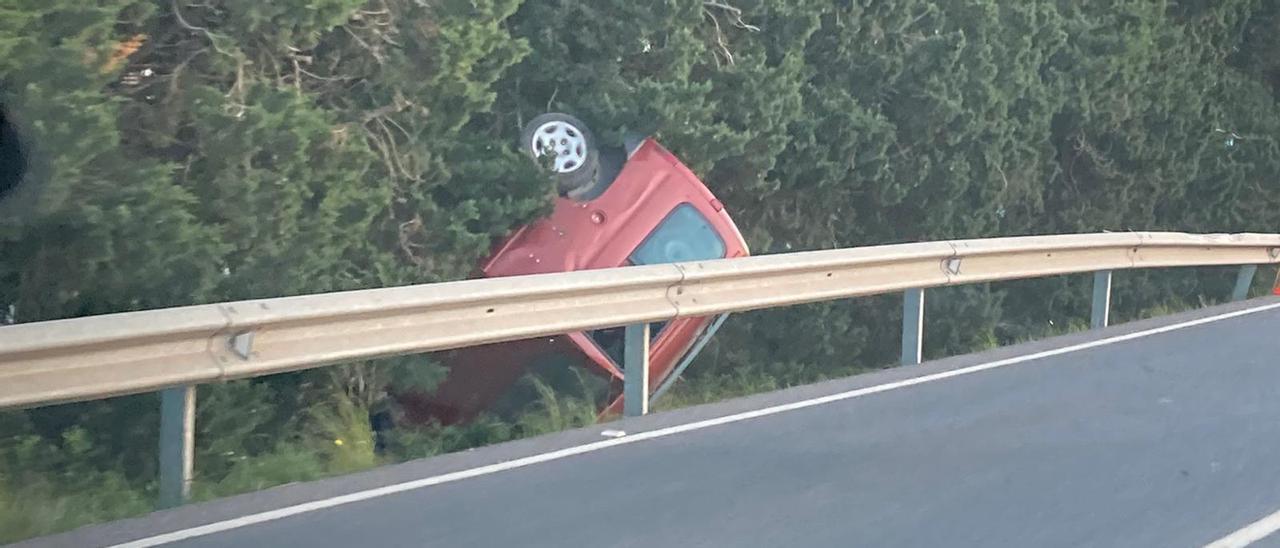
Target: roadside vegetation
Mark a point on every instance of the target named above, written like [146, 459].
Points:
[195, 152]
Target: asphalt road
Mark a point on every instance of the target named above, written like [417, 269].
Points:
[1168, 439]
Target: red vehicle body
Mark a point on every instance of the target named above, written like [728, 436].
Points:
[653, 197]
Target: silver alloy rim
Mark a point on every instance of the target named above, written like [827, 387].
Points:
[566, 141]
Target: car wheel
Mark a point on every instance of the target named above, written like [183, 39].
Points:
[576, 161]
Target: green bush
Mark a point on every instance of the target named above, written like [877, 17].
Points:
[32, 507]
[202, 152]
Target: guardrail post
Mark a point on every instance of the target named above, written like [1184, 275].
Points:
[635, 364]
[1244, 281]
[912, 327]
[177, 444]
[1101, 315]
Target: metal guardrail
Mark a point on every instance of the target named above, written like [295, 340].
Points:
[96, 357]
[100, 356]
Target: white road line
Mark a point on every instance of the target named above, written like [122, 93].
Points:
[252, 519]
[1250, 534]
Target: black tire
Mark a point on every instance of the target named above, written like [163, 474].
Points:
[579, 171]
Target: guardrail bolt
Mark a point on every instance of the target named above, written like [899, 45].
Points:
[242, 345]
[952, 265]
[1274, 252]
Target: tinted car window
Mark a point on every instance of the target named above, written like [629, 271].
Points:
[685, 235]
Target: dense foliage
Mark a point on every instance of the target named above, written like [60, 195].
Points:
[192, 152]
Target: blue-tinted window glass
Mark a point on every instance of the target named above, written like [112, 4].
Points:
[685, 235]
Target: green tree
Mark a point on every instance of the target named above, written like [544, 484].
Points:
[197, 152]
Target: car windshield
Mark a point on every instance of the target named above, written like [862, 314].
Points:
[685, 235]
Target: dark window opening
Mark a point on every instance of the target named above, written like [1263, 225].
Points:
[613, 340]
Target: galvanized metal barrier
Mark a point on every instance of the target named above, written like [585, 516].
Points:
[635, 363]
[177, 444]
[913, 326]
[1100, 311]
[174, 349]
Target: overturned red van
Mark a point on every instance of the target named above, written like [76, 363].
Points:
[637, 205]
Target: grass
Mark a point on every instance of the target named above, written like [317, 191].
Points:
[747, 380]
[37, 507]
